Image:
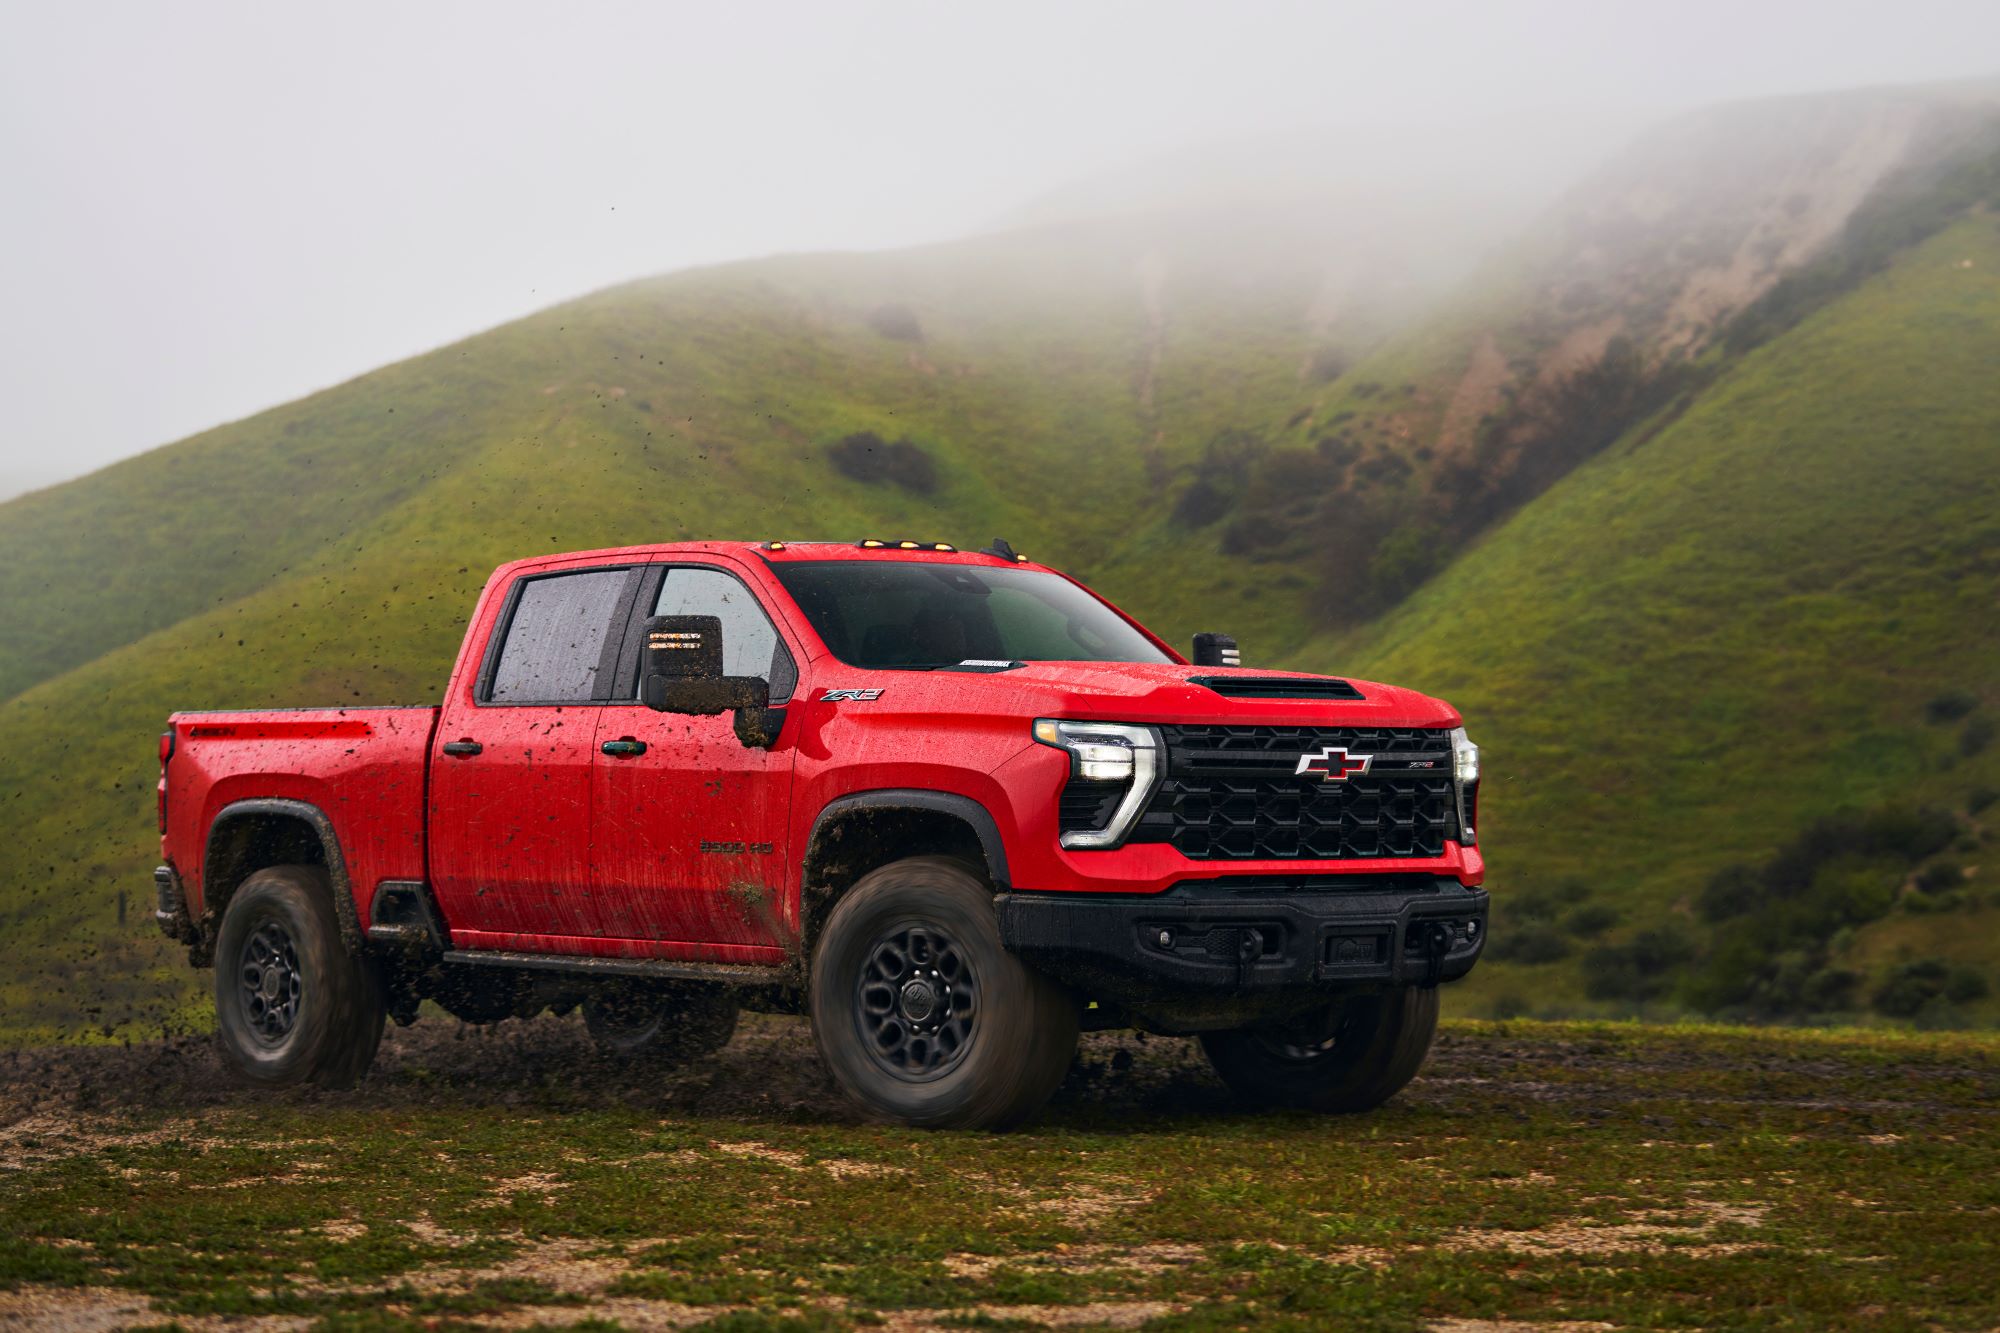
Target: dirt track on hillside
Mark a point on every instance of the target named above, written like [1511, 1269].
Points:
[770, 1071]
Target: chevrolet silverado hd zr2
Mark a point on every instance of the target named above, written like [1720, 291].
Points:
[952, 805]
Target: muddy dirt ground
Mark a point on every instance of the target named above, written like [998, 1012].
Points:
[1536, 1176]
[770, 1071]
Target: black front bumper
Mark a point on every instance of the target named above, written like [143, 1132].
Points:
[1245, 937]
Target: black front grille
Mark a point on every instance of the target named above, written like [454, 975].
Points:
[1235, 793]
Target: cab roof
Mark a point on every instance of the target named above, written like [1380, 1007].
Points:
[787, 552]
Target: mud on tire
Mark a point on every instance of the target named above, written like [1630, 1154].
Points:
[1351, 1056]
[920, 1011]
[291, 1004]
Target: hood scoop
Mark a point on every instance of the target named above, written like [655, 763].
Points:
[1277, 687]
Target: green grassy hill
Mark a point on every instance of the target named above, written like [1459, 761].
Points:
[1695, 595]
[1783, 604]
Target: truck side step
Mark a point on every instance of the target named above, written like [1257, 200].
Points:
[657, 969]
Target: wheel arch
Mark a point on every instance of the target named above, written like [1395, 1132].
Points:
[249, 835]
[852, 833]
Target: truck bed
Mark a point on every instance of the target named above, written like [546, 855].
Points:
[362, 768]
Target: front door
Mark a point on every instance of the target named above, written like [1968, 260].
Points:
[689, 826]
[511, 766]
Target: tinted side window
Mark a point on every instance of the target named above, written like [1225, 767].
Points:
[750, 643]
[555, 640]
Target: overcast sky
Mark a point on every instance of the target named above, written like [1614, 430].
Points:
[207, 209]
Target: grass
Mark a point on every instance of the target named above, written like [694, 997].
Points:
[1698, 1177]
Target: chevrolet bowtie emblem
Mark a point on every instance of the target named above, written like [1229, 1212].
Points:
[1333, 764]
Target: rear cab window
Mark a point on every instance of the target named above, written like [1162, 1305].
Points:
[558, 639]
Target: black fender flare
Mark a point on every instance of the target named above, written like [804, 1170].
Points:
[914, 798]
[336, 864]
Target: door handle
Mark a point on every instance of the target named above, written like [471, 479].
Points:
[463, 748]
[624, 746]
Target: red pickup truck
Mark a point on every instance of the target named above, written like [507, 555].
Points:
[952, 805]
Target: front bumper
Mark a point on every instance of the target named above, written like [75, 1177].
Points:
[1224, 937]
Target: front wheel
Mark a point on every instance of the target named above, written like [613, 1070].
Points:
[920, 1011]
[291, 1004]
[1352, 1055]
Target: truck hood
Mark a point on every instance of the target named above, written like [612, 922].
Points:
[1159, 692]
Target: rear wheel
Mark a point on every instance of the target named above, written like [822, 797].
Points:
[674, 1025]
[921, 1012]
[291, 1003]
[1350, 1056]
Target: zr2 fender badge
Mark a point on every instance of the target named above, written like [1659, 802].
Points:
[857, 696]
[1333, 764]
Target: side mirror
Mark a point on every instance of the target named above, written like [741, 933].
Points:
[1216, 650]
[683, 674]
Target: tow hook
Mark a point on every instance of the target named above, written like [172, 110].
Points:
[1434, 940]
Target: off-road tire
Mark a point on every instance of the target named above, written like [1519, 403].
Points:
[666, 1025]
[1352, 1056]
[280, 925]
[1021, 1030]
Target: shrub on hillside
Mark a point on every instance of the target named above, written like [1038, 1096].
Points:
[1327, 365]
[1730, 891]
[1940, 876]
[1909, 988]
[1830, 990]
[867, 457]
[1591, 920]
[1530, 942]
[1900, 833]
[896, 321]
[1639, 970]
[1978, 734]
[1220, 477]
[1950, 706]
[1202, 503]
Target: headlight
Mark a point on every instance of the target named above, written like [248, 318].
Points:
[1113, 756]
[1465, 768]
[1464, 757]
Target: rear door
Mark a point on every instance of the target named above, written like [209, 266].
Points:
[689, 826]
[511, 764]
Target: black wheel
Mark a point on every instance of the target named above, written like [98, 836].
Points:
[674, 1024]
[1351, 1056]
[291, 1004]
[923, 1015]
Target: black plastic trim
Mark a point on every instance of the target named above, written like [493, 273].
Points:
[336, 864]
[428, 932]
[736, 974]
[1221, 942]
[1279, 687]
[170, 911]
[915, 798]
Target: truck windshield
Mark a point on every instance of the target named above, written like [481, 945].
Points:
[920, 616]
